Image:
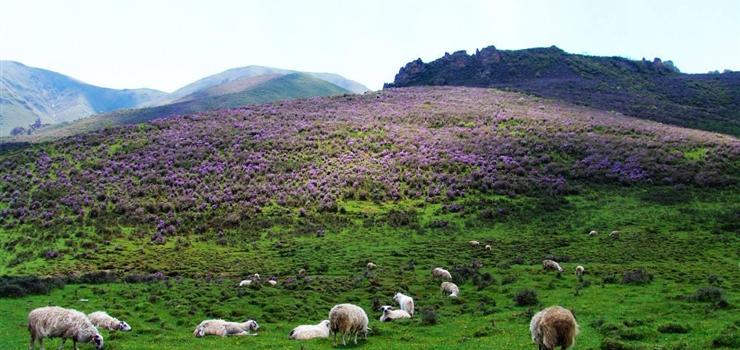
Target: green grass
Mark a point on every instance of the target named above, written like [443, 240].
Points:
[681, 238]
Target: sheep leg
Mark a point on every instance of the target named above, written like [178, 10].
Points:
[33, 341]
[61, 346]
[74, 344]
[356, 338]
[335, 338]
[344, 343]
[41, 342]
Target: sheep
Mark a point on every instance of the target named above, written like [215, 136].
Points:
[579, 271]
[302, 273]
[101, 319]
[272, 281]
[488, 247]
[614, 234]
[223, 328]
[54, 321]
[347, 319]
[371, 266]
[390, 314]
[552, 327]
[474, 243]
[450, 288]
[306, 332]
[405, 302]
[245, 283]
[254, 279]
[551, 265]
[593, 233]
[441, 273]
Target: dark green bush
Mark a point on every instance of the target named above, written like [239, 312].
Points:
[526, 297]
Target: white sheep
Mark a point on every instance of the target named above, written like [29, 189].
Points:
[245, 283]
[306, 332]
[254, 279]
[101, 319]
[593, 233]
[390, 314]
[272, 281]
[548, 264]
[224, 328]
[347, 319]
[405, 302]
[488, 247]
[57, 322]
[552, 327]
[614, 234]
[474, 243]
[579, 271]
[371, 266]
[450, 288]
[439, 272]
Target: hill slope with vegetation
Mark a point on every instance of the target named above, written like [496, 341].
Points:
[158, 222]
[653, 90]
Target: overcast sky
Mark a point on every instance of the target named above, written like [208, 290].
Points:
[167, 44]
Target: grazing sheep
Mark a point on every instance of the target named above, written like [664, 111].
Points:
[614, 234]
[371, 266]
[474, 243]
[579, 271]
[57, 322]
[223, 328]
[101, 319]
[405, 302]
[450, 288]
[272, 281]
[306, 332]
[390, 314]
[245, 283]
[488, 247]
[347, 319]
[439, 272]
[551, 265]
[552, 327]
[593, 233]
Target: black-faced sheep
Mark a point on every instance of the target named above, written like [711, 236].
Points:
[390, 314]
[57, 322]
[306, 332]
[348, 319]
[552, 327]
[101, 319]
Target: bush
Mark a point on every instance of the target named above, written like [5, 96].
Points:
[526, 297]
[428, 316]
[673, 328]
[730, 338]
[710, 295]
[18, 286]
[399, 218]
[638, 277]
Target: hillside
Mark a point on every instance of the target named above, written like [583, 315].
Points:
[158, 222]
[28, 93]
[652, 90]
[253, 90]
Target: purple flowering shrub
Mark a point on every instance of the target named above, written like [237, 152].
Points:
[217, 170]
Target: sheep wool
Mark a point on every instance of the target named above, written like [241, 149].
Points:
[552, 327]
[405, 302]
[306, 332]
[57, 322]
[347, 319]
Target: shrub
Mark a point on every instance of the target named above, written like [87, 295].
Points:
[730, 338]
[673, 328]
[399, 218]
[638, 277]
[710, 294]
[428, 316]
[18, 286]
[526, 297]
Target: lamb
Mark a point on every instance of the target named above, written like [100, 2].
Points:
[371, 266]
[347, 319]
[101, 319]
[390, 314]
[306, 332]
[405, 302]
[474, 243]
[593, 233]
[223, 328]
[439, 272]
[552, 327]
[579, 271]
[551, 265]
[54, 321]
[450, 288]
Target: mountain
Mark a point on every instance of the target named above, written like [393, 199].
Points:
[28, 93]
[653, 90]
[229, 94]
[158, 222]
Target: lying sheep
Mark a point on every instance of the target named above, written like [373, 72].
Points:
[552, 327]
[405, 302]
[593, 233]
[57, 322]
[390, 314]
[347, 319]
[551, 265]
[272, 281]
[371, 266]
[474, 243]
[306, 332]
[450, 288]
[439, 272]
[224, 328]
[579, 271]
[101, 319]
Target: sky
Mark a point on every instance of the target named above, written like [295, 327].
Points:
[165, 44]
